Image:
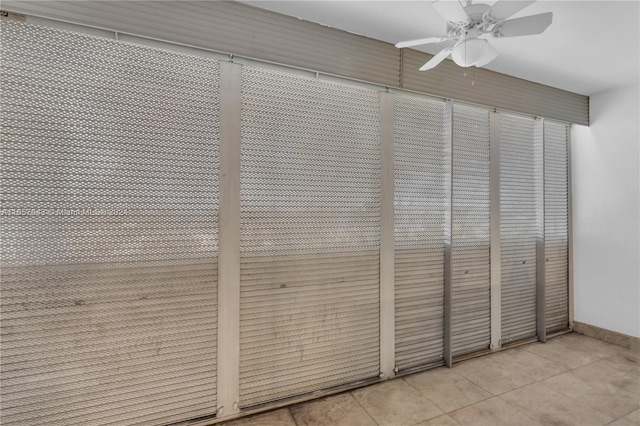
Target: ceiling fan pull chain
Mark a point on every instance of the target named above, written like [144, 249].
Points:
[465, 52]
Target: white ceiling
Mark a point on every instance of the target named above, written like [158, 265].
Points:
[591, 46]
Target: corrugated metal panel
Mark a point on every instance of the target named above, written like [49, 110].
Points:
[310, 235]
[493, 89]
[256, 33]
[107, 318]
[517, 227]
[470, 261]
[556, 226]
[419, 165]
[234, 28]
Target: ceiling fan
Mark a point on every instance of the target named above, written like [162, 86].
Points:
[469, 25]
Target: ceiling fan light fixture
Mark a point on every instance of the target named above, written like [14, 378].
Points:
[469, 24]
[469, 52]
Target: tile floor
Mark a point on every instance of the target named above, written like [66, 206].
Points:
[570, 380]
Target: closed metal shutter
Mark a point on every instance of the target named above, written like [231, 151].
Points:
[419, 216]
[517, 228]
[556, 225]
[109, 278]
[310, 235]
[471, 240]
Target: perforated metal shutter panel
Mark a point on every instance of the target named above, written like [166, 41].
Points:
[556, 215]
[310, 238]
[470, 258]
[233, 27]
[419, 166]
[517, 228]
[109, 279]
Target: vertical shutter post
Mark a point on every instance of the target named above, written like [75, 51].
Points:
[229, 231]
[387, 296]
[540, 251]
[494, 201]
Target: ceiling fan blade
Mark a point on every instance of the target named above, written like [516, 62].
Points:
[441, 56]
[528, 25]
[504, 9]
[488, 56]
[421, 41]
[451, 11]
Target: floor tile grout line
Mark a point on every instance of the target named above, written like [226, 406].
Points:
[568, 368]
[617, 350]
[535, 380]
[362, 406]
[347, 411]
[498, 364]
[618, 418]
[295, 422]
[571, 368]
[554, 375]
[423, 395]
[491, 395]
[541, 380]
[476, 384]
[635, 409]
[347, 392]
[518, 409]
[578, 402]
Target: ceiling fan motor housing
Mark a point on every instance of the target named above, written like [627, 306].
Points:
[469, 49]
